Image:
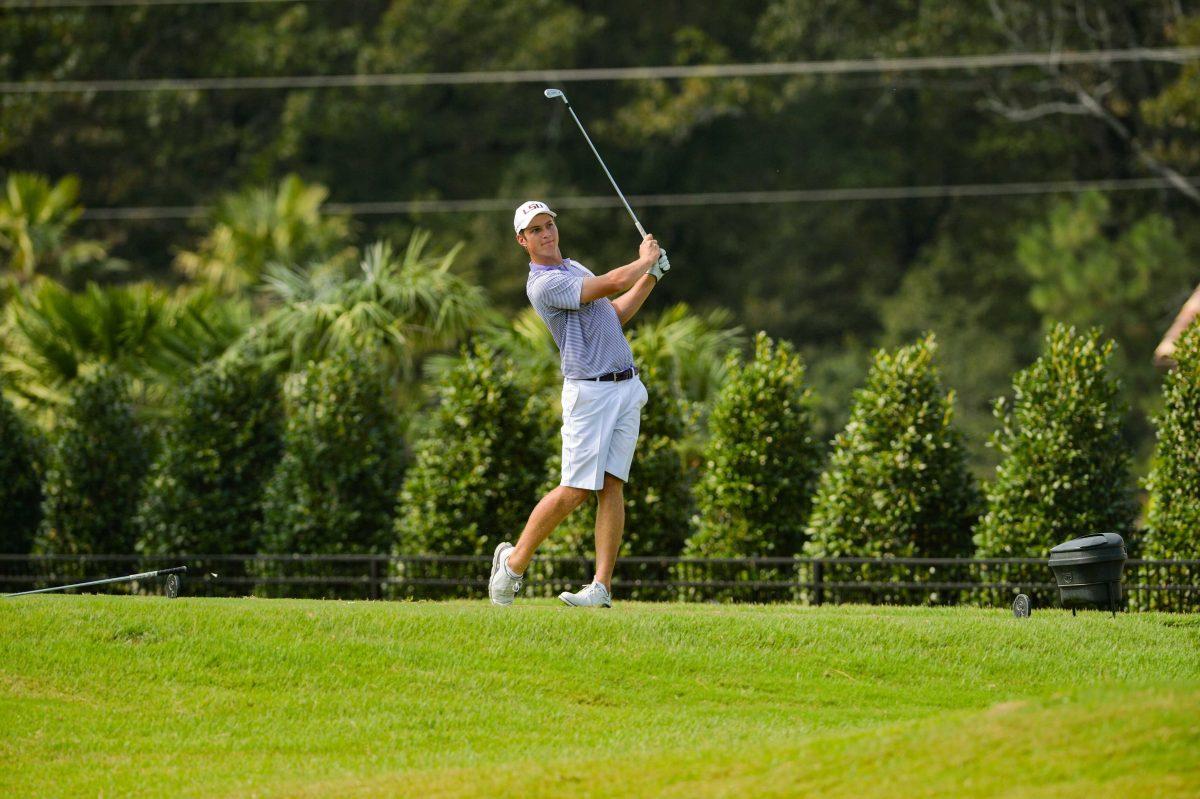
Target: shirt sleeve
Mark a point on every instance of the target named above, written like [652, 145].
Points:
[558, 290]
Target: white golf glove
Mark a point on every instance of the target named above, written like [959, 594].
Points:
[661, 267]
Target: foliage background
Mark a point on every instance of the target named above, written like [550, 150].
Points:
[269, 267]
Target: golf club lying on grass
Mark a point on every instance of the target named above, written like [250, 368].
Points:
[173, 582]
[552, 94]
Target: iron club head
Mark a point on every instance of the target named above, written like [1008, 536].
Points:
[553, 93]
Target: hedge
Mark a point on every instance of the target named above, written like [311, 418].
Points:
[897, 484]
[1064, 469]
[96, 465]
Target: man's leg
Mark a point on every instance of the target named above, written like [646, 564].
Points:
[610, 526]
[548, 514]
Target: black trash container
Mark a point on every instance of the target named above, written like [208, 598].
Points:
[1088, 571]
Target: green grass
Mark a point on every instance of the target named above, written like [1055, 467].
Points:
[238, 698]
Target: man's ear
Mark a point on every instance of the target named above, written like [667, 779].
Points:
[521, 239]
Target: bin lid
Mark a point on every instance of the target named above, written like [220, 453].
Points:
[1089, 542]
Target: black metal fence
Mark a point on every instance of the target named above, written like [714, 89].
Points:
[992, 582]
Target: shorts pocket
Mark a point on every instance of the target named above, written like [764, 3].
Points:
[570, 396]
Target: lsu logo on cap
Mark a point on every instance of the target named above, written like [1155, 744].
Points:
[528, 211]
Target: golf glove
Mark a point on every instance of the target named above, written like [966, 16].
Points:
[661, 267]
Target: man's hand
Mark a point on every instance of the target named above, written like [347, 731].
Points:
[649, 250]
[661, 266]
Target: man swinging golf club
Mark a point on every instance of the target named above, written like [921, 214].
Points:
[602, 397]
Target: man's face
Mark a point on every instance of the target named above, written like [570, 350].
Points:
[540, 239]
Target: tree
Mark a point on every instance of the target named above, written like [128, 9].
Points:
[1175, 111]
[35, 219]
[53, 334]
[95, 469]
[204, 491]
[761, 462]
[1173, 516]
[402, 306]
[967, 288]
[258, 227]
[897, 483]
[1064, 469]
[1107, 98]
[477, 470]
[20, 483]
[1088, 269]
[334, 488]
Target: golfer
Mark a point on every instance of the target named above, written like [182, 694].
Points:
[602, 397]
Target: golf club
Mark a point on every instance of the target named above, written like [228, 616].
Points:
[172, 582]
[552, 94]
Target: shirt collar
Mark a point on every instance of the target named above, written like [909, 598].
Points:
[543, 268]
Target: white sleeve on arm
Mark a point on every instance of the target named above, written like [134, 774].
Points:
[558, 290]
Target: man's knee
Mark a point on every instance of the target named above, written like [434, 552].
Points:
[574, 497]
[613, 486]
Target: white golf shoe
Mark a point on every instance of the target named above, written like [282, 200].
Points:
[592, 595]
[502, 586]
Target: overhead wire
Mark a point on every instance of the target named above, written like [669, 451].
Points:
[34, 5]
[866, 194]
[475, 78]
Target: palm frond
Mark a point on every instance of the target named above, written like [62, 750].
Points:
[404, 306]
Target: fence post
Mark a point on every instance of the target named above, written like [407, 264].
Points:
[374, 590]
[818, 576]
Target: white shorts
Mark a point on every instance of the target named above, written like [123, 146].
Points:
[600, 430]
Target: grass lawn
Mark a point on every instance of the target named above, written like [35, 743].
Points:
[122, 696]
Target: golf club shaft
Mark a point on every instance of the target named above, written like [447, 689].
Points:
[605, 168]
[128, 577]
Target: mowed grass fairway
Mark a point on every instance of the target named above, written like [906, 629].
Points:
[122, 696]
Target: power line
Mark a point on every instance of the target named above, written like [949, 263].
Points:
[34, 5]
[487, 205]
[767, 69]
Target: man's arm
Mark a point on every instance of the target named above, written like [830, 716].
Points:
[631, 301]
[622, 278]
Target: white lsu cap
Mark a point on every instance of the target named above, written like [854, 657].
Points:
[527, 211]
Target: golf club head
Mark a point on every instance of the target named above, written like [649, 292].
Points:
[554, 93]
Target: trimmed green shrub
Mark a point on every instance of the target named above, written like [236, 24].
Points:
[1064, 469]
[761, 461]
[897, 484]
[95, 469]
[334, 489]
[204, 492]
[477, 469]
[20, 484]
[1173, 517]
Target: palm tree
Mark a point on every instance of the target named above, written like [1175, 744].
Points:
[403, 307]
[50, 333]
[35, 220]
[694, 348]
[260, 226]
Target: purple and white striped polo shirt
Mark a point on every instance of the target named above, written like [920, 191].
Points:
[588, 336]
